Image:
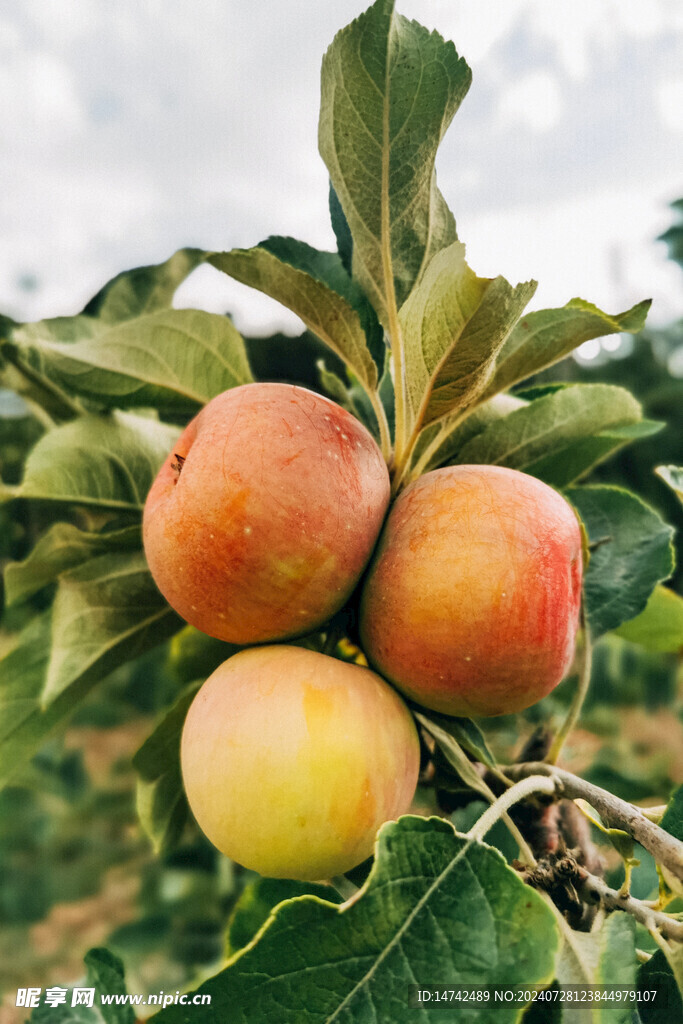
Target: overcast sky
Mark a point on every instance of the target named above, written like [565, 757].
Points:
[132, 127]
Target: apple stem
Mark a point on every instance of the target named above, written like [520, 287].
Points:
[333, 634]
[579, 697]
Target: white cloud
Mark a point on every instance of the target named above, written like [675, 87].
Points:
[252, 312]
[669, 95]
[65, 22]
[477, 28]
[599, 246]
[40, 98]
[580, 32]
[535, 101]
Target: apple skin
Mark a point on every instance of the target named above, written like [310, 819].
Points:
[292, 760]
[471, 603]
[263, 517]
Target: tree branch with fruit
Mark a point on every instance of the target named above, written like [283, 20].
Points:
[361, 568]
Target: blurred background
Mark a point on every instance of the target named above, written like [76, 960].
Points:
[134, 128]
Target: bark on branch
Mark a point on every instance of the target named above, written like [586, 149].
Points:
[596, 890]
[616, 813]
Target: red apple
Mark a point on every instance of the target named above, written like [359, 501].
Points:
[265, 513]
[292, 760]
[471, 603]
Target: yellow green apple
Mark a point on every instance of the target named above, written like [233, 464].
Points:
[291, 760]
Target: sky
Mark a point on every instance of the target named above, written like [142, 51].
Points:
[130, 129]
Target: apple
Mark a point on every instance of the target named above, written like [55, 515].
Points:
[471, 603]
[292, 760]
[265, 513]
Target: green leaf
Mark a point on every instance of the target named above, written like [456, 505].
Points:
[291, 359]
[342, 231]
[144, 289]
[622, 842]
[258, 901]
[174, 360]
[656, 976]
[659, 627]
[364, 408]
[66, 330]
[337, 390]
[22, 673]
[545, 1012]
[617, 964]
[450, 745]
[464, 731]
[65, 1013]
[390, 88]
[548, 335]
[554, 437]
[106, 976]
[7, 324]
[161, 803]
[566, 465]
[453, 325]
[47, 402]
[672, 819]
[435, 906]
[633, 553]
[673, 476]
[62, 547]
[439, 443]
[24, 723]
[106, 612]
[195, 655]
[602, 957]
[315, 286]
[108, 462]
[673, 236]
[673, 952]
[531, 393]
[672, 822]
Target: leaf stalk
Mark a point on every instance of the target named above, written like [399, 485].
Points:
[522, 789]
[579, 697]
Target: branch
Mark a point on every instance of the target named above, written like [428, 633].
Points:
[596, 890]
[616, 813]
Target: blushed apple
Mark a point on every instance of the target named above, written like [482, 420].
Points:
[292, 760]
[263, 517]
[471, 603]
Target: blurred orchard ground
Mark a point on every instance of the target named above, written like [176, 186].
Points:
[132, 133]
